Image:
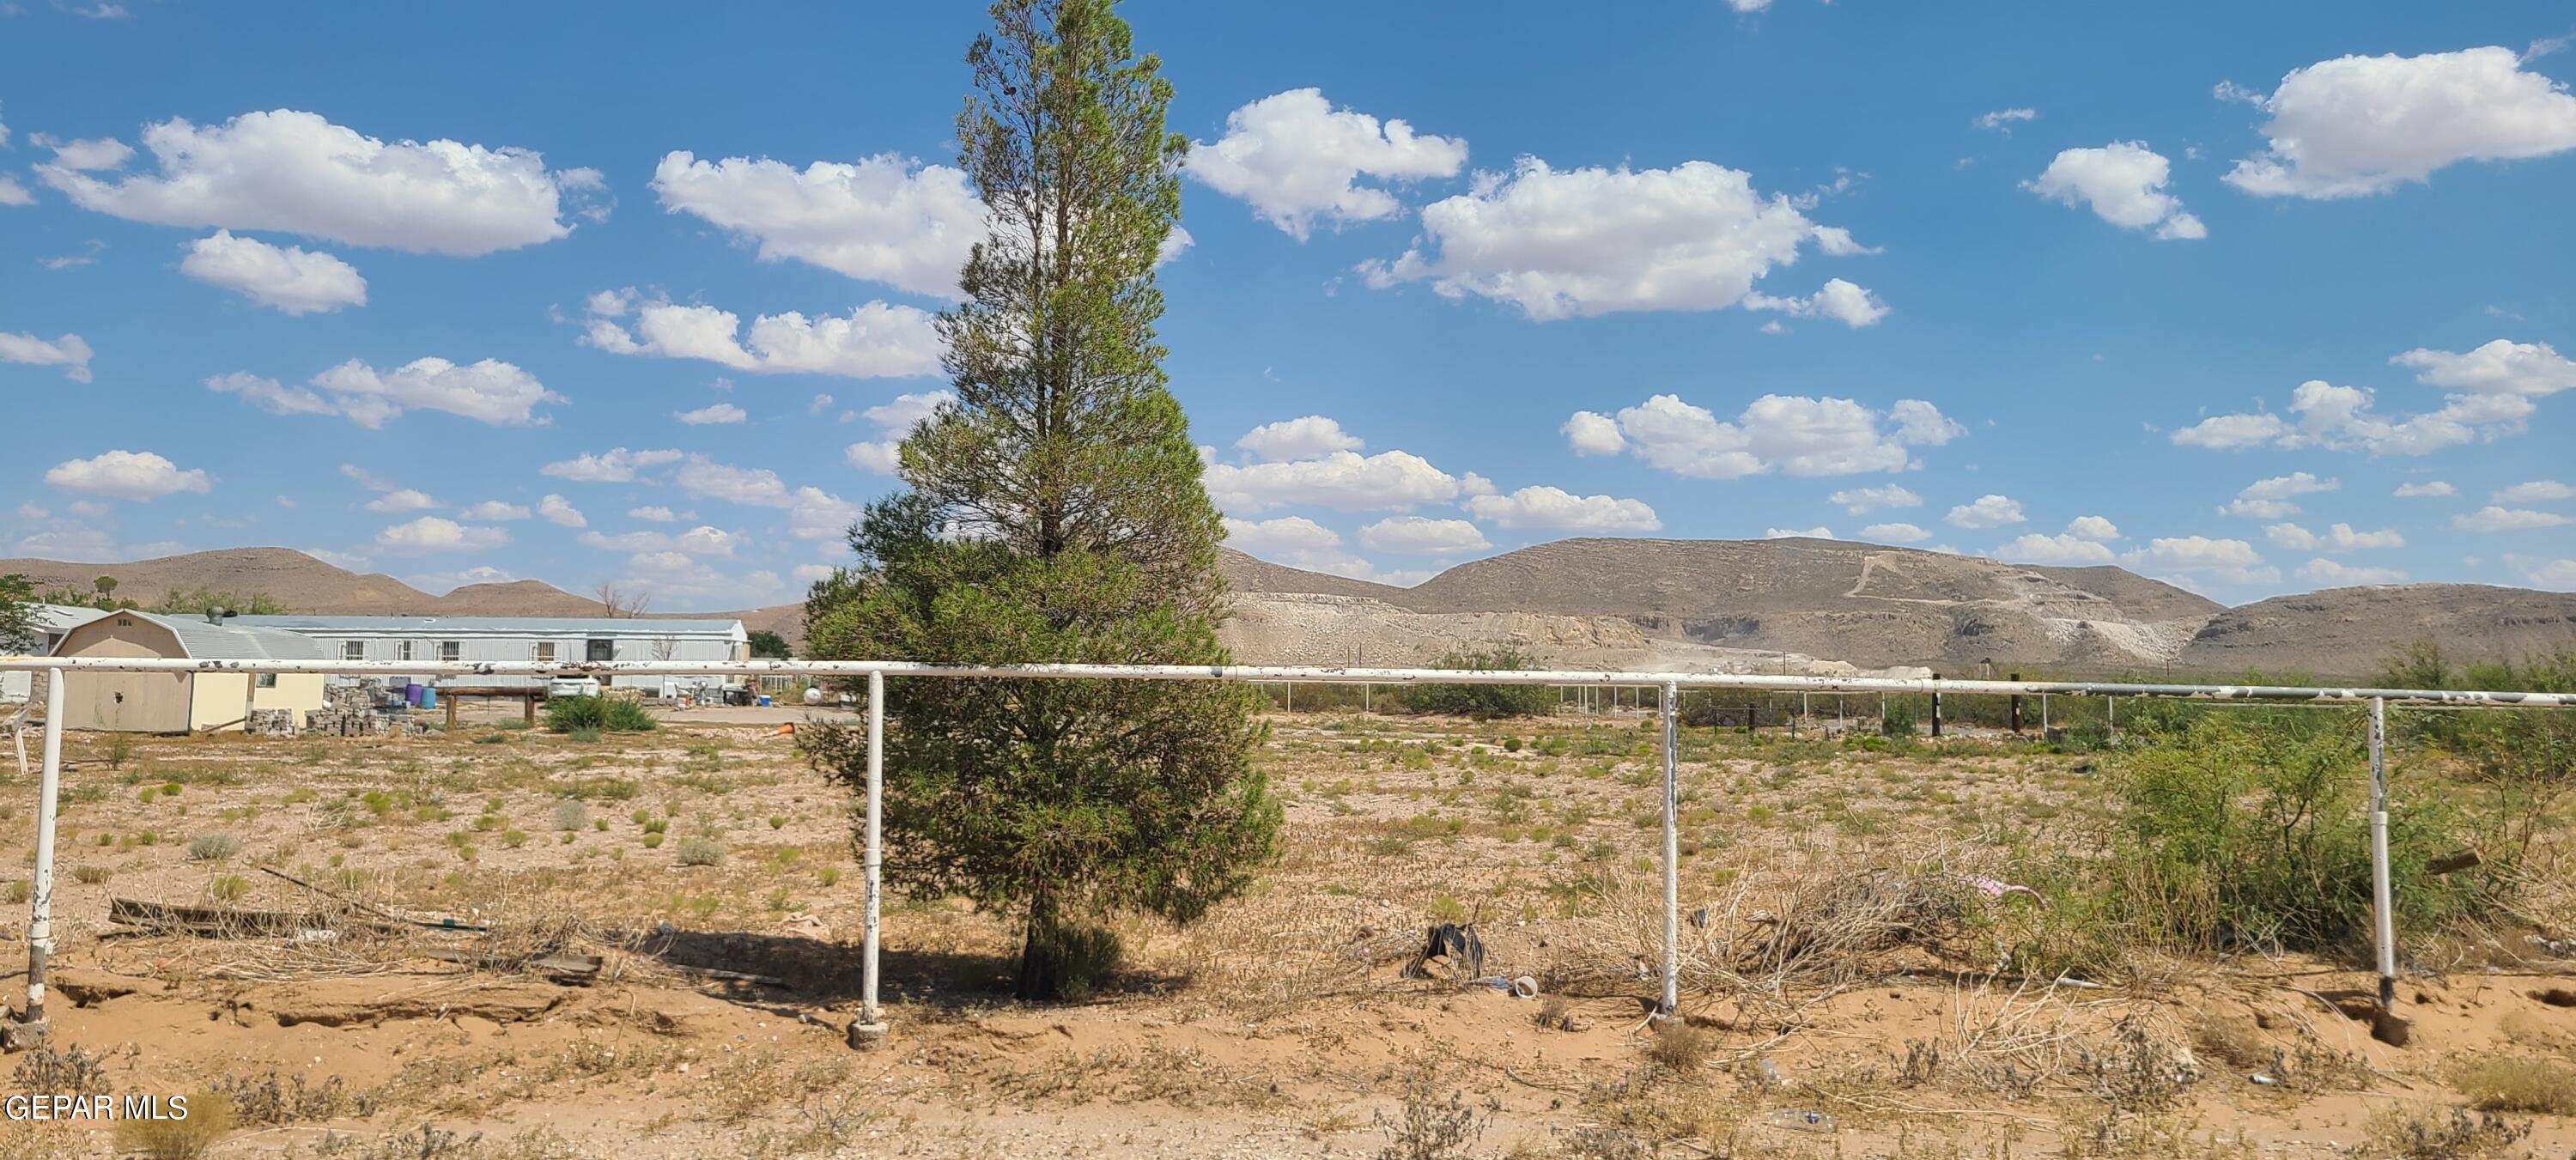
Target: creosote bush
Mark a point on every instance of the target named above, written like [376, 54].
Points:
[598, 715]
[1484, 702]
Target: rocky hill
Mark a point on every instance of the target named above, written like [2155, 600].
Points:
[1797, 605]
[2348, 632]
[1728, 603]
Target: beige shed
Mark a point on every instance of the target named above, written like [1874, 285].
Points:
[182, 702]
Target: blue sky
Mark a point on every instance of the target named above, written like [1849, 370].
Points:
[558, 292]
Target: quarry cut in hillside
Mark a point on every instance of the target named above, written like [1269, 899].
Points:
[1731, 605]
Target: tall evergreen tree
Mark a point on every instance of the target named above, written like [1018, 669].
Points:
[1055, 512]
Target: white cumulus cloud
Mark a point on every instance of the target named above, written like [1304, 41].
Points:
[2360, 125]
[490, 391]
[1553, 507]
[403, 499]
[713, 414]
[295, 172]
[1422, 536]
[2333, 573]
[2124, 184]
[1895, 534]
[1986, 511]
[875, 340]
[557, 510]
[2270, 499]
[2431, 488]
[615, 465]
[1342, 480]
[135, 475]
[292, 279]
[1786, 433]
[1300, 438]
[1295, 159]
[1581, 242]
[67, 352]
[1284, 535]
[2202, 558]
[2504, 519]
[436, 534]
[1859, 500]
[2339, 538]
[883, 219]
[2536, 491]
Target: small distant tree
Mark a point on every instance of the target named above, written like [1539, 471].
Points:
[1055, 512]
[105, 587]
[19, 632]
[618, 603]
[767, 644]
[1484, 702]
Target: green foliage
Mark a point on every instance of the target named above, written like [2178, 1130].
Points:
[597, 714]
[195, 602]
[1055, 512]
[1085, 954]
[1898, 719]
[765, 643]
[1484, 702]
[18, 632]
[2248, 831]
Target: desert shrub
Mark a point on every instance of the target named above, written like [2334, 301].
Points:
[213, 847]
[1897, 720]
[1427, 1127]
[48, 1068]
[1484, 702]
[700, 852]
[1676, 1046]
[271, 1099]
[2496, 1083]
[2247, 829]
[572, 816]
[571, 714]
[209, 1117]
[627, 717]
[2402, 1133]
[88, 875]
[1085, 954]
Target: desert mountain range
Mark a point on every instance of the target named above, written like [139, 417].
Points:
[1797, 605]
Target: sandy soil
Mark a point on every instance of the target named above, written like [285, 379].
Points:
[1281, 1026]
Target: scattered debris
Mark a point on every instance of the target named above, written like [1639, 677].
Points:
[1458, 945]
[2453, 863]
[215, 921]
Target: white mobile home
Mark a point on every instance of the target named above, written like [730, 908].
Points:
[541, 639]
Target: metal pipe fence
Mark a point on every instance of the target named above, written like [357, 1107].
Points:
[1669, 686]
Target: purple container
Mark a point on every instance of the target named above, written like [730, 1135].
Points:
[411, 694]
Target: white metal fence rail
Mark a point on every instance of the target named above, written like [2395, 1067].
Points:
[1670, 686]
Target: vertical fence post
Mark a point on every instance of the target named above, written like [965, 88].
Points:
[1672, 852]
[2379, 887]
[871, 1028]
[2111, 708]
[40, 917]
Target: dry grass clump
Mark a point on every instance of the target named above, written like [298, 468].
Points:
[2497, 1083]
[1677, 1047]
[1426, 1127]
[209, 1117]
[2404, 1133]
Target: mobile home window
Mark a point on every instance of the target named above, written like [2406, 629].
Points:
[602, 648]
[353, 650]
[405, 650]
[268, 680]
[545, 654]
[449, 650]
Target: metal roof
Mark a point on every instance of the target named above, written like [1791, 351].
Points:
[63, 617]
[496, 625]
[233, 641]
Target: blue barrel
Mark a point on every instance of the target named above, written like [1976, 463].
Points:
[428, 697]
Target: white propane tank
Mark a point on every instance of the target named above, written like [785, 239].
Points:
[813, 694]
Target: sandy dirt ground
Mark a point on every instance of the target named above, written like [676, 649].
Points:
[1283, 1025]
